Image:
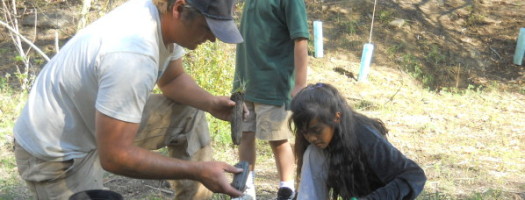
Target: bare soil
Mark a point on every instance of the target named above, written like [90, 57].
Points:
[459, 42]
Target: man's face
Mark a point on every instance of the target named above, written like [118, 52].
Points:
[196, 32]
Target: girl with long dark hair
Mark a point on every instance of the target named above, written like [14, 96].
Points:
[342, 153]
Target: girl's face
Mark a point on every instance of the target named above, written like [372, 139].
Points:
[319, 134]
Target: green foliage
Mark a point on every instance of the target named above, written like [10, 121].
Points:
[219, 130]
[311, 47]
[413, 66]
[39, 61]
[213, 70]
[4, 83]
[488, 194]
[364, 105]
[351, 27]
[432, 196]
[241, 88]
[396, 48]
[521, 90]
[19, 58]
[474, 19]
[218, 196]
[10, 104]
[10, 188]
[435, 55]
[385, 16]
[419, 66]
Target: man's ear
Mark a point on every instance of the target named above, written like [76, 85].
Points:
[176, 9]
[337, 118]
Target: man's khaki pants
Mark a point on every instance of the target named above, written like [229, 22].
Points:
[183, 129]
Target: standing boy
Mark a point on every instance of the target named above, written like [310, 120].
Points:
[271, 67]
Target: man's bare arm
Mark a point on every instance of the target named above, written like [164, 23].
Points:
[118, 155]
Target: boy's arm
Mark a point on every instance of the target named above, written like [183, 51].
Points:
[301, 64]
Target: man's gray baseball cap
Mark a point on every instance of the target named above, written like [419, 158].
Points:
[218, 14]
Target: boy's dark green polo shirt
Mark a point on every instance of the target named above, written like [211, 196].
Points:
[265, 61]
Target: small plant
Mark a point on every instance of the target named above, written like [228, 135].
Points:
[4, 83]
[241, 88]
[392, 50]
[351, 27]
[385, 16]
[364, 105]
[474, 19]
[435, 56]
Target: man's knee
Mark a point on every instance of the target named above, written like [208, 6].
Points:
[188, 189]
[180, 151]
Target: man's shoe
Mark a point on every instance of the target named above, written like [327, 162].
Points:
[285, 193]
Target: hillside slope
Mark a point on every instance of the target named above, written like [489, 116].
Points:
[442, 43]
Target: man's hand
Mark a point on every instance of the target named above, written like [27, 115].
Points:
[213, 177]
[221, 107]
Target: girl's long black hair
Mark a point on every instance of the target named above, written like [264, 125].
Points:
[347, 167]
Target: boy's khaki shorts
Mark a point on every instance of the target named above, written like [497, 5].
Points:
[269, 122]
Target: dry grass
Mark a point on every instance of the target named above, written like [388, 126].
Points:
[470, 143]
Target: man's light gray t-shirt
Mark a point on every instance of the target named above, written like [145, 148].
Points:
[110, 66]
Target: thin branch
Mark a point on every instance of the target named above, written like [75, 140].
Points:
[495, 52]
[86, 5]
[24, 39]
[34, 30]
[57, 47]
[11, 21]
[14, 22]
[394, 95]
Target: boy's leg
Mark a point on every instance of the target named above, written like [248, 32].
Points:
[184, 130]
[284, 159]
[272, 125]
[247, 149]
[59, 179]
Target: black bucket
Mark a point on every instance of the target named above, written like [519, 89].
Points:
[96, 195]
